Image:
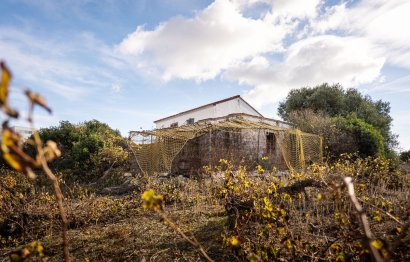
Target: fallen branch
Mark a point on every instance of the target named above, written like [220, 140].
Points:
[300, 186]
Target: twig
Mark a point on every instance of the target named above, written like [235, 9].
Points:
[363, 219]
[153, 257]
[107, 172]
[58, 194]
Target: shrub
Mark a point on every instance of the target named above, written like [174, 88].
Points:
[340, 134]
[309, 216]
[369, 141]
[336, 101]
[405, 156]
[88, 147]
[335, 140]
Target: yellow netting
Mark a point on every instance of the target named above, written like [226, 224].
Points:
[155, 150]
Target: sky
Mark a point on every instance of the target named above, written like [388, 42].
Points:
[128, 63]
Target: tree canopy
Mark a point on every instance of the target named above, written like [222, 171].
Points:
[357, 113]
[90, 146]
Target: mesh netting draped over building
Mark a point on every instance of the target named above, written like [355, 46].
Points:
[236, 137]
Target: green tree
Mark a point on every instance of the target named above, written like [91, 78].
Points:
[336, 140]
[405, 156]
[368, 139]
[334, 101]
[88, 147]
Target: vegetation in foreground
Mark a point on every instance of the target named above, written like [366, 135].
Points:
[234, 213]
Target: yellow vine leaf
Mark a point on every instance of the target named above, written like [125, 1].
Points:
[377, 244]
[234, 241]
[4, 85]
[151, 200]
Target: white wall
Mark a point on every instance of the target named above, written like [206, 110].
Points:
[233, 106]
[25, 132]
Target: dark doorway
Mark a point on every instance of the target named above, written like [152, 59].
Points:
[270, 143]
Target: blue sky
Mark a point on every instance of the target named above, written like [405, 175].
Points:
[128, 63]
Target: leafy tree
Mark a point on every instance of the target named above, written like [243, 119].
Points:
[324, 99]
[334, 101]
[368, 139]
[335, 139]
[88, 147]
[405, 156]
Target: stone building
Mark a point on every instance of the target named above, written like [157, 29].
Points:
[227, 129]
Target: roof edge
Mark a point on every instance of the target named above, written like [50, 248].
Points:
[206, 105]
[251, 106]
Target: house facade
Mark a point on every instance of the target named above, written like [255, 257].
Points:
[221, 108]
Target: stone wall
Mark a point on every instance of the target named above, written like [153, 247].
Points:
[244, 146]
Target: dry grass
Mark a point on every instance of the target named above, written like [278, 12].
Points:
[141, 236]
[117, 228]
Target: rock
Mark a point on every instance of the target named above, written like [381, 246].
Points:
[127, 175]
[129, 183]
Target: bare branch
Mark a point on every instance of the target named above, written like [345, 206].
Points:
[363, 219]
[57, 192]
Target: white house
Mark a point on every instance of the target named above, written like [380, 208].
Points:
[221, 108]
[25, 132]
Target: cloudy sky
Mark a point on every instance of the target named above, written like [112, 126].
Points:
[128, 63]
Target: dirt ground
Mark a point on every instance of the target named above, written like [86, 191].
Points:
[143, 237]
[118, 228]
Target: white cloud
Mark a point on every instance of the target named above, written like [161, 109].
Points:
[292, 9]
[349, 61]
[200, 48]
[290, 44]
[393, 86]
[282, 9]
[380, 22]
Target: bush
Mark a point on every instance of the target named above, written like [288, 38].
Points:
[335, 140]
[341, 134]
[369, 141]
[335, 101]
[15, 190]
[88, 147]
[405, 156]
[309, 216]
